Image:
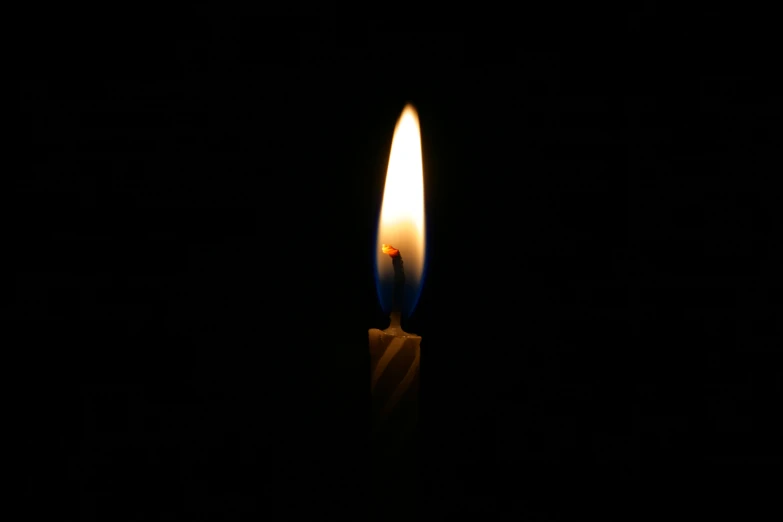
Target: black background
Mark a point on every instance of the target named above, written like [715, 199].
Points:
[194, 285]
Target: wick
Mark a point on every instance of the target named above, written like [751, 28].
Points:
[394, 319]
[399, 282]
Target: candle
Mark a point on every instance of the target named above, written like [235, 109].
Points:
[399, 261]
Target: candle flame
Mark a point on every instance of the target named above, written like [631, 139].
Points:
[402, 213]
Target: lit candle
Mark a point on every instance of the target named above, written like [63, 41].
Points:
[399, 262]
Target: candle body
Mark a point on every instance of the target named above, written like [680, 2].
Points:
[394, 364]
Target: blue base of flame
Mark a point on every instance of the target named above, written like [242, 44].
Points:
[385, 286]
[411, 296]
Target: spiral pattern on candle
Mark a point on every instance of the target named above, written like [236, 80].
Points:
[397, 367]
[403, 386]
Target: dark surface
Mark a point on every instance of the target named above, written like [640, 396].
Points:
[192, 267]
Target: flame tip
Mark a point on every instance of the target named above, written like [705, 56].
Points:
[409, 111]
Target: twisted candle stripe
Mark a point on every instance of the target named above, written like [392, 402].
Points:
[385, 348]
[388, 354]
[403, 386]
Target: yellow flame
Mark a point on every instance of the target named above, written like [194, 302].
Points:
[402, 212]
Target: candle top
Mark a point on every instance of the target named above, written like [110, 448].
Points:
[395, 329]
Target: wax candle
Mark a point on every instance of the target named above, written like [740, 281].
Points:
[399, 259]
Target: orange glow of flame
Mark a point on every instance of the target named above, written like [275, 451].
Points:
[388, 249]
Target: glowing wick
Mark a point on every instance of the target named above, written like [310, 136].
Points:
[388, 249]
